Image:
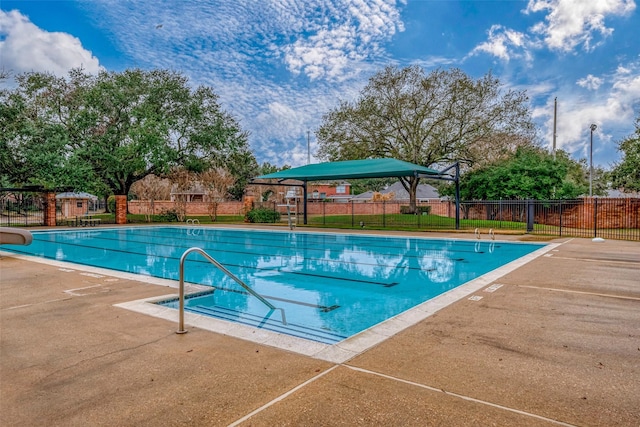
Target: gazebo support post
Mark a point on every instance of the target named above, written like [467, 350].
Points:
[457, 180]
[304, 197]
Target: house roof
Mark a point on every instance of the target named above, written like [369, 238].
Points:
[352, 169]
[332, 183]
[617, 194]
[424, 191]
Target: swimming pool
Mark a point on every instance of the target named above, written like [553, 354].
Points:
[331, 286]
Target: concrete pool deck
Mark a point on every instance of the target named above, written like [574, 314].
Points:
[557, 344]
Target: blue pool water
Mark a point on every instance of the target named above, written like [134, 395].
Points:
[331, 286]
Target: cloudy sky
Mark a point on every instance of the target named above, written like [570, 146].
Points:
[278, 65]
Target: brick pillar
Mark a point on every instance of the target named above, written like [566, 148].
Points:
[121, 209]
[247, 206]
[50, 209]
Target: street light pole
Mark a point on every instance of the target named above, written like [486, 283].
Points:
[593, 127]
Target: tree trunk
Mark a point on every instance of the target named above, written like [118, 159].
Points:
[413, 188]
[411, 185]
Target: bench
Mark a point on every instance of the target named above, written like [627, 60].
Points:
[70, 221]
[90, 221]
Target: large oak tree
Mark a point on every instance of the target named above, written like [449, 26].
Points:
[104, 132]
[427, 119]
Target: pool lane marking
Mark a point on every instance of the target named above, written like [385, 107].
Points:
[348, 279]
[459, 396]
[323, 308]
[281, 397]
[569, 291]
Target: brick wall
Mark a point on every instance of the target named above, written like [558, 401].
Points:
[69, 207]
[143, 207]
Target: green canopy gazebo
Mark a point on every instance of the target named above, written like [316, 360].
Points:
[367, 168]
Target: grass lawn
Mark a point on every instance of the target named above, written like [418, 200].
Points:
[408, 222]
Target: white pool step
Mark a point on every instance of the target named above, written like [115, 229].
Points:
[272, 323]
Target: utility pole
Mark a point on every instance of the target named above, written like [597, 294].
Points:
[308, 147]
[555, 117]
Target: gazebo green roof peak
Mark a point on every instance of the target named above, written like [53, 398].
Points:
[352, 169]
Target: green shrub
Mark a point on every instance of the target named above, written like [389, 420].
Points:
[420, 210]
[170, 215]
[111, 204]
[263, 215]
[424, 210]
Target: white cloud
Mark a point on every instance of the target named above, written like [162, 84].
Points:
[259, 57]
[347, 33]
[623, 70]
[570, 23]
[24, 47]
[590, 82]
[611, 109]
[505, 44]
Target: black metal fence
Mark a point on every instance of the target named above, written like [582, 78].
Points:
[21, 209]
[608, 218]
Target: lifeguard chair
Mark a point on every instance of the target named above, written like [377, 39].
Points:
[291, 198]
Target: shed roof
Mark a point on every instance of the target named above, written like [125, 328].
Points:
[74, 195]
[352, 169]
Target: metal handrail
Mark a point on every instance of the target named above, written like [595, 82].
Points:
[181, 329]
[292, 224]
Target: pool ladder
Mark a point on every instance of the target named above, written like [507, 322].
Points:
[492, 235]
[181, 329]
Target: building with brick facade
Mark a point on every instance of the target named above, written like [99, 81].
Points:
[73, 204]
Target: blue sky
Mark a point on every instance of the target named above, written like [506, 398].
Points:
[279, 65]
